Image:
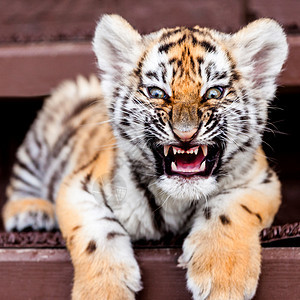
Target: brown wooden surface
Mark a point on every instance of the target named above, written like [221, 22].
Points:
[52, 20]
[47, 274]
[35, 69]
[286, 12]
[31, 70]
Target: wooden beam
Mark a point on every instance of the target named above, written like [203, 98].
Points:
[47, 274]
[52, 20]
[34, 70]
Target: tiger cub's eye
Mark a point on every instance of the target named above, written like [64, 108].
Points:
[214, 93]
[157, 93]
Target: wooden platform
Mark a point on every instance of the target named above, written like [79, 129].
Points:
[47, 274]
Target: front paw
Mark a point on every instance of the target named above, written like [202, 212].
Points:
[29, 214]
[104, 279]
[221, 272]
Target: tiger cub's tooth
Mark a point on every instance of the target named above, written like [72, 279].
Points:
[173, 166]
[196, 151]
[166, 150]
[174, 151]
[203, 166]
[204, 149]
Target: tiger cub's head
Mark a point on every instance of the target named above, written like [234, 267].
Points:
[189, 105]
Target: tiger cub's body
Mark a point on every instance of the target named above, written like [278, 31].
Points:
[168, 141]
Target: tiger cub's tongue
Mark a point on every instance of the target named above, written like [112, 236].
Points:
[188, 163]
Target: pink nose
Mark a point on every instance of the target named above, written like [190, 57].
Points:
[185, 135]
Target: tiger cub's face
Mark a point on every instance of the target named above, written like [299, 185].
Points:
[191, 103]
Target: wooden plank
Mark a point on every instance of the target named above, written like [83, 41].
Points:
[32, 70]
[280, 278]
[47, 274]
[35, 274]
[52, 20]
[285, 12]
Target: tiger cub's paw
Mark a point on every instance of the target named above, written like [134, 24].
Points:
[29, 214]
[107, 279]
[221, 274]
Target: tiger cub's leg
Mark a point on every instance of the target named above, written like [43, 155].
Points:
[100, 248]
[222, 252]
[29, 213]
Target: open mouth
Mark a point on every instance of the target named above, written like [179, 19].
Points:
[198, 160]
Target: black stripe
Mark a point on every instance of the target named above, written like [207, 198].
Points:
[166, 47]
[123, 133]
[22, 165]
[156, 123]
[63, 140]
[56, 177]
[246, 208]
[113, 219]
[111, 235]
[32, 159]
[126, 97]
[25, 182]
[78, 109]
[85, 182]
[26, 192]
[126, 112]
[163, 72]
[152, 74]
[170, 33]
[192, 65]
[105, 199]
[181, 40]
[200, 62]
[138, 70]
[158, 220]
[268, 177]
[235, 76]
[208, 46]
[81, 168]
[225, 220]
[124, 122]
[210, 128]
[189, 217]
[173, 60]
[36, 139]
[207, 212]
[58, 174]
[116, 92]
[111, 108]
[259, 217]
[221, 75]
[91, 247]
[209, 70]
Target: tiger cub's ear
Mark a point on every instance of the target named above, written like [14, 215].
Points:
[117, 47]
[260, 49]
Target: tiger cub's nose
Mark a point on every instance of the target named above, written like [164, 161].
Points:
[185, 135]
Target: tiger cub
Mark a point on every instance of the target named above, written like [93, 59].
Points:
[168, 141]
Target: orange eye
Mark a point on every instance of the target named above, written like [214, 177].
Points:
[214, 93]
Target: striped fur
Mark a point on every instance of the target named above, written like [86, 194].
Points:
[99, 155]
